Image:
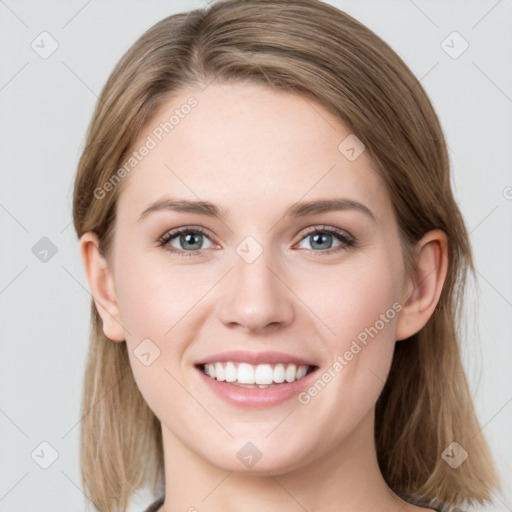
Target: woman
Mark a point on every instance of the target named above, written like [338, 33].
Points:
[277, 266]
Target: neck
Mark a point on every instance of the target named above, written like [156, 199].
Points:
[345, 479]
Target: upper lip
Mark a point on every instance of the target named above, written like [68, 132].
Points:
[243, 356]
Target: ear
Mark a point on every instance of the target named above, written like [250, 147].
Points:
[423, 288]
[102, 286]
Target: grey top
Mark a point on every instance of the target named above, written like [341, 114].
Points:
[434, 503]
[156, 505]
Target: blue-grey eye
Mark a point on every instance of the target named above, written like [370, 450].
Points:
[323, 240]
[189, 240]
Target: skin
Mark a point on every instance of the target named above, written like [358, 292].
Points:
[241, 146]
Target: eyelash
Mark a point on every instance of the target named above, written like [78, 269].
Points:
[346, 240]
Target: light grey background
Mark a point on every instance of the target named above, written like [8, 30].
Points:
[46, 105]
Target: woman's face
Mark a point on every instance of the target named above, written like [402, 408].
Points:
[269, 280]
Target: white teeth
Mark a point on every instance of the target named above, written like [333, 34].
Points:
[301, 372]
[279, 373]
[231, 373]
[262, 375]
[220, 373]
[291, 372]
[246, 374]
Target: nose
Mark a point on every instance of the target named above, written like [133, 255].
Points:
[256, 297]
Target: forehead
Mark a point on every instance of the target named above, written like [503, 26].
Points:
[245, 145]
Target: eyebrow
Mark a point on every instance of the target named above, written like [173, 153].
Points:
[296, 210]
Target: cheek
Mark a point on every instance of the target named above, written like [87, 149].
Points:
[161, 310]
[349, 300]
[154, 307]
[358, 312]
[153, 299]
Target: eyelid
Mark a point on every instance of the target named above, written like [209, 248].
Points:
[324, 228]
[171, 233]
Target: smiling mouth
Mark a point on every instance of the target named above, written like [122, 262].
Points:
[256, 376]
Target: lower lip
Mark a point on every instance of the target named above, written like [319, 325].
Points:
[257, 397]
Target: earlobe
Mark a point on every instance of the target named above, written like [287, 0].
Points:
[424, 287]
[102, 286]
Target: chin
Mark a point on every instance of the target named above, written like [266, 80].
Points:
[258, 458]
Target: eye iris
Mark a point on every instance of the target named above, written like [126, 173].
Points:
[318, 238]
[187, 237]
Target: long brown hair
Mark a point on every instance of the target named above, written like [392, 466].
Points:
[311, 48]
